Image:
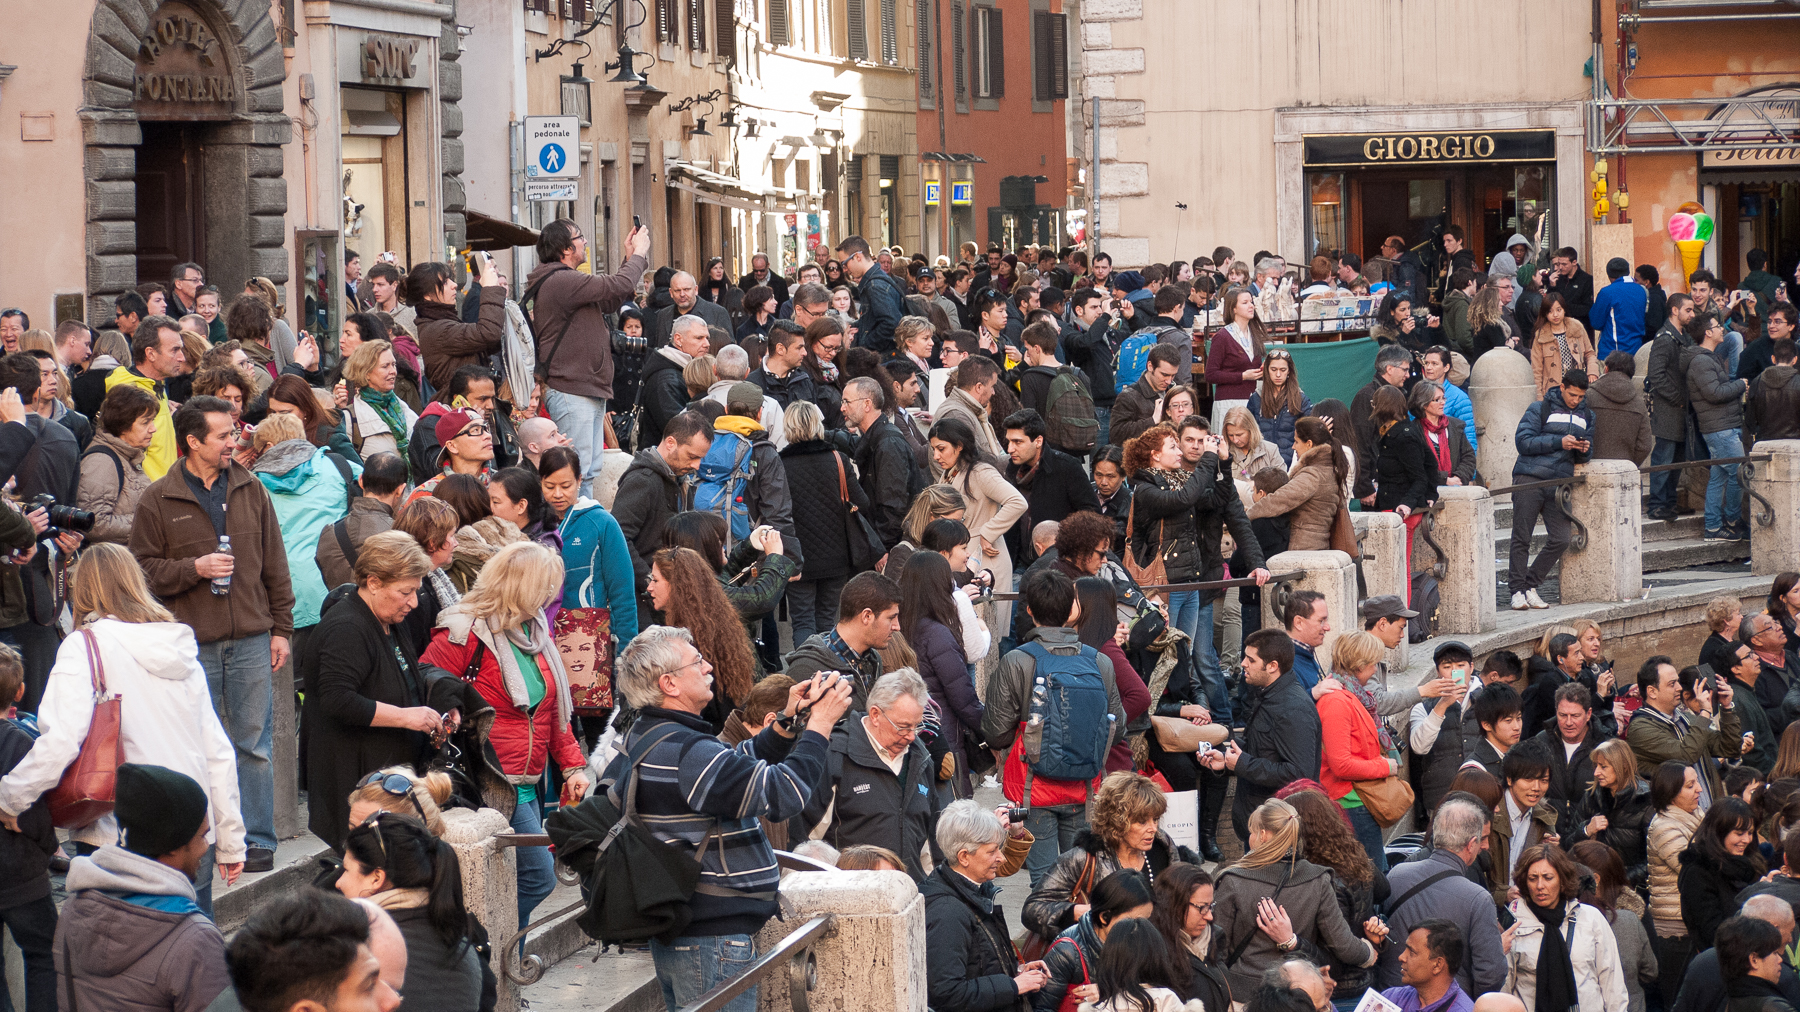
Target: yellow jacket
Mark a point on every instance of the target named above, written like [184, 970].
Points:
[160, 456]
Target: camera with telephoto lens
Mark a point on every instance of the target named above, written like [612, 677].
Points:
[63, 518]
[1016, 816]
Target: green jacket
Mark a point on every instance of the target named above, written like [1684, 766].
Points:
[1654, 741]
[15, 533]
[1455, 324]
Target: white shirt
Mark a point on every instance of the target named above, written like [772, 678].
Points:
[893, 762]
[1521, 826]
[1569, 751]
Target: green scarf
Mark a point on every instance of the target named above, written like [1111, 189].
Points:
[388, 406]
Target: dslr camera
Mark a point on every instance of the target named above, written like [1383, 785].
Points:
[62, 518]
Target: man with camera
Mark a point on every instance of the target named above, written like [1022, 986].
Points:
[574, 346]
[47, 475]
[1691, 722]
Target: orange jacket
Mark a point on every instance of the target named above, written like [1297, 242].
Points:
[1352, 748]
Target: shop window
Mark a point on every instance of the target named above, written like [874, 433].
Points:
[990, 53]
[321, 273]
[373, 148]
[1049, 56]
[1325, 223]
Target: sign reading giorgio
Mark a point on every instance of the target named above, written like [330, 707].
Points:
[1429, 148]
[183, 70]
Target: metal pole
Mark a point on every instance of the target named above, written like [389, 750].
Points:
[1094, 186]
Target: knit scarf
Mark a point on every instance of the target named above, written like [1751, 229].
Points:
[1366, 695]
[1437, 435]
[389, 406]
[1555, 973]
[401, 899]
[533, 638]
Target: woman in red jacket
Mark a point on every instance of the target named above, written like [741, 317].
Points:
[498, 631]
[1234, 358]
[1358, 745]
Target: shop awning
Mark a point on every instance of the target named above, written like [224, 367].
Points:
[489, 233]
[711, 187]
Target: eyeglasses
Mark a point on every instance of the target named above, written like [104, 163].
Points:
[396, 784]
[1201, 908]
[678, 670]
[1284, 356]
[903, 730]
[473, 430]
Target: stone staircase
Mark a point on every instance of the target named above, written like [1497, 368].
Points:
[1669, 545]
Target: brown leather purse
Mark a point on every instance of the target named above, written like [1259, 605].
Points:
[90, 784]
[1147, 575]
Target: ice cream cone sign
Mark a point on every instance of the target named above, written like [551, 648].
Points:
[1692, 229]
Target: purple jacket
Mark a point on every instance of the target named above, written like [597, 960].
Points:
[1408, 1000]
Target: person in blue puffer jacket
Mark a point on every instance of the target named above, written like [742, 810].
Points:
[1552, 438]
[310, 488]
[1278, 403]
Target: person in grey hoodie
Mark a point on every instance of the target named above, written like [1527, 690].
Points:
[1718, 403]
[131, 937]
[1508, 261]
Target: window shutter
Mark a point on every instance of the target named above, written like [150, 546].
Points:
[856, 24]
[725, 20]
[1059, 56]
[996, 54]
[696, 25]
[958, 51]
[665, 20]
[922, 18]
[778, 22]
[890, 34]
[1040, 55]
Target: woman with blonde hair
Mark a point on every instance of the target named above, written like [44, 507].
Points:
[153, 662]
[379, 421]
[1615, 808]
[400, 791]
[1249, 454]
[935, 502]
[499, 631]
[1358, 744]
[1254, 929]
[698, 376]
[1487, 324]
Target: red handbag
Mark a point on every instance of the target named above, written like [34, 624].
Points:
[89, 786]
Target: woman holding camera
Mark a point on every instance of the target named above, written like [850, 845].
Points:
[112, 469]
[447, 342]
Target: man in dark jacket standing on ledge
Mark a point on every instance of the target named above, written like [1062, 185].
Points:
[1552, 438]
[1667, 383]
[568, 318]
[883, 302]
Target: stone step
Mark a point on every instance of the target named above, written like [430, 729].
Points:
[561, 938]
[1661, 556]
[296, 866]
[1679, 529]
[612, 981]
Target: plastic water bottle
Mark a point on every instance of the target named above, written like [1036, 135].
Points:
[221, 585]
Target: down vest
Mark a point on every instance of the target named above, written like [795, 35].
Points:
[524, 739]
[1670, 832]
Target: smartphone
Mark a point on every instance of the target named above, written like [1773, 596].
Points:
[636, 222]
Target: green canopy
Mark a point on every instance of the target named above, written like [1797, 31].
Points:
[1333, 368]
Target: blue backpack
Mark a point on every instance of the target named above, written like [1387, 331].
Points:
[723, 476]
[1068, 723]
[1134, 356]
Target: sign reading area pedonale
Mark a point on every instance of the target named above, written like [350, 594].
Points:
[182, 70]
[1433, 148]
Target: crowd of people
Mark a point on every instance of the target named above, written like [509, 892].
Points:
[932, 472]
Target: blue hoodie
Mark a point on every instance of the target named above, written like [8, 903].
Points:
[1618, 317]
[597, 567]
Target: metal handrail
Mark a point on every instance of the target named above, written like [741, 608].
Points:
[1526, 486]
[803, 968]
[1182, 588]
[1720, 461]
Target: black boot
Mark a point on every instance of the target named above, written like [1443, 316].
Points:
[1212, 802]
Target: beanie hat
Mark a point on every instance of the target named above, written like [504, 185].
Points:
[451, 423]
[158, 809]
[744, 398]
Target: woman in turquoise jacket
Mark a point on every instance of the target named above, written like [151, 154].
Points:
[310, 488]
[597, 569]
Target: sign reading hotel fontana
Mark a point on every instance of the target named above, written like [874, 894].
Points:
[182, 70]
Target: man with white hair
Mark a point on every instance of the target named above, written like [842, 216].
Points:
[1703, 983]
[970, 962]
[1300, 975]
[732, 365]
[671, 751]
[1440, 887]
[663, 392]
[684, 292]
[879, 785]
[537, 434]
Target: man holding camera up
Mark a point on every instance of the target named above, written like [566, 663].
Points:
[48, 473]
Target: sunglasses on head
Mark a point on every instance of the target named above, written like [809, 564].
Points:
[396, 784]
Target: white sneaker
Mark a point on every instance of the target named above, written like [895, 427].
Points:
[1519, 603]
[1532, 598]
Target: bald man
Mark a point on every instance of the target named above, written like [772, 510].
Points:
[1497, 1002]
[684, 291]
[387, 944]
[538, 434]
[1703, 988]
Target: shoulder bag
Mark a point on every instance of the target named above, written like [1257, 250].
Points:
[89, 786]
[1147, 575]
[866, 548]
[1387, 800]
[1036, 945]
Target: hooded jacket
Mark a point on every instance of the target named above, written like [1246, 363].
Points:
[1540, 434]
[649, 494]
[597, 566]
[308, 493]
[112, 482]
[160, 455]
[662, 393]
[766, 492]
[883, 306]
[1717, 399]
[569, 315]
[1773, 410]
[872, 804]
[1621, 419]
[131, 937]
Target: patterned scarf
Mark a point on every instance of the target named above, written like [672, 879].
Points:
[1562, 346]
[1366, 695]
[388, 406]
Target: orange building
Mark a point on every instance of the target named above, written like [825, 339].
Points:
[1699, 104]
[993, 80]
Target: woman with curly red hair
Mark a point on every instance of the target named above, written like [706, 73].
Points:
[686, 593]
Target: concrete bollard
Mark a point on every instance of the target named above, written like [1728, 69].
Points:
[1465, 527]
[1384, 567]
[490, 881]
[1775, 548]
[1329, 573]
[875, 959]
[1502, 388]
[1611, 566]
[613, 464]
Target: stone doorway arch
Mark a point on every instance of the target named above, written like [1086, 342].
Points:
[236, 107]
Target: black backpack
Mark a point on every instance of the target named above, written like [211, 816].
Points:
[1422, 626]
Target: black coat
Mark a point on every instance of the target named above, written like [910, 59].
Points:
[1162, 520]
[1578, 299]
[969, 956]
[797, 385]
[819, 510]
[1627, 821]
[1059, 487]
[1405, 472]
[649, 494]
[346, 668]
[1709, 889]
[1116, 508]
[1281, 744]
[1090, 350]
[870, 804]
[1212, 515]
[1569, 776]
[890, 477]
[662, 394]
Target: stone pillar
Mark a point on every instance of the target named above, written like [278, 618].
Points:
[1502, 388]
[1384, 567]
[613, 464]
[286, 758]
[1776, 548]
[490, 881]
[875, 959]
[1465, 527]
[1329, 573]
[1611, 566]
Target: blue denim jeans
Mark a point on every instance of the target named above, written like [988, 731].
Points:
[243, 695]
[1722, 491]
[1103, 415]
[692, 965]
[1664, 483]
[1730, 349]
[1368, 833]
[583, 420]
[537, 869]
[1190, 616]
[1053, 829]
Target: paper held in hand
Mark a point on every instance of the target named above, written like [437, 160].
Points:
[1372, 1001]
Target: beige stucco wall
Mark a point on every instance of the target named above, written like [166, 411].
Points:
[42, 188]
[1197, 88]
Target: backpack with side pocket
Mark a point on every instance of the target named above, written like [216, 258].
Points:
[1425, 600]
[1068, 723]
[1134, 357]
[1070, 423]
[722, 480]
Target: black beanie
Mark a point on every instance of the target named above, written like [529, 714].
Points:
[159, 810]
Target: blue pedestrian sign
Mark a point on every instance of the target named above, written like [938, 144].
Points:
[552, 147]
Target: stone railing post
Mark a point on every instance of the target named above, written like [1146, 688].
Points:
[490, 881]
[1775, 548]
[874, 961]
[1465, 527]
[286, 758]
[1384, 567]
[1329, 573]
[1610, 567]
[1502, 388]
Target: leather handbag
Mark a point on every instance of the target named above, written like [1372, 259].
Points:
[1178, 734]
[866, 548]
[89, 786]
[1343, 534]
[1387, 799]
[1147, 575]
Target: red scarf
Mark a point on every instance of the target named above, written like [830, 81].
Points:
[1438, 438]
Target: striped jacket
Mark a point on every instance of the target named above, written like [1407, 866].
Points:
[697, 790]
